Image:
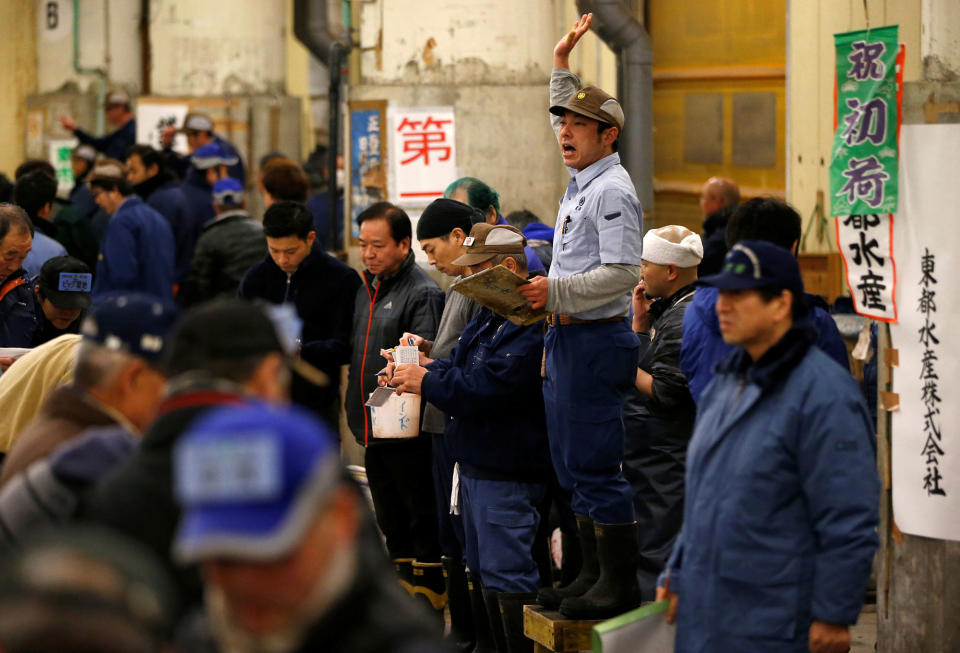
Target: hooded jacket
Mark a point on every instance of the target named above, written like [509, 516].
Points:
[385, 308]
[781, 508]
[703, 347]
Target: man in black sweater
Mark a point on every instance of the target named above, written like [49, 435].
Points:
[321, 288]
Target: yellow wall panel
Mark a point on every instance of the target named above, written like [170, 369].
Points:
[18, 78]
[735, 32]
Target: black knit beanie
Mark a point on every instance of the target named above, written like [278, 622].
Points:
[442, 217]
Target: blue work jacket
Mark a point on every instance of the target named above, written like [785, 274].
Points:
[702, 346]
[781, 508]
[136, 254]
[490, 389]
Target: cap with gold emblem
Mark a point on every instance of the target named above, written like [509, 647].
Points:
[595, 103]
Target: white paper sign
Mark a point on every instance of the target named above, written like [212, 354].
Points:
[54, 19]
[422, 153]
[152, 119]
[866, 245]
[925, 443]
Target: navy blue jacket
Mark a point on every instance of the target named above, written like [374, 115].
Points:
[781, 509]
[324, 292]
[181, 165]
[18, 312]
[702, 346]
[490, 388]
[199, 196]
[82, 200]
[319, 207]
[115, 144]
[137, 253]
[164, 194]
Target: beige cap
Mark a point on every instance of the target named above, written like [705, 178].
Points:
[487, 240]
[595, 103]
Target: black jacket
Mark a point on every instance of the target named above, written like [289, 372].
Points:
[657, 430]
[323, 290]
[228, 247]
[406, 301]
[136, 498]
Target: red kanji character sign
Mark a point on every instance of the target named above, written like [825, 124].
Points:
[422, 153]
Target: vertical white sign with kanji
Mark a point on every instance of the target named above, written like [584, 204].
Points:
[422, 153]
[866, 244]
[925, 442]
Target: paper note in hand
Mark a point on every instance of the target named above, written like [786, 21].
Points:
[406, 356]
[496, 288]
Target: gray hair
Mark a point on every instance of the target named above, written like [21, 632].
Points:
[97, 366]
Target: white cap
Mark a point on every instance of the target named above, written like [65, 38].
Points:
[660, 251]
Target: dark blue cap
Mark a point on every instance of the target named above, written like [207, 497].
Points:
[250, 480]
[210, 155]
[757, 264]
[136, 323]
[228, 191]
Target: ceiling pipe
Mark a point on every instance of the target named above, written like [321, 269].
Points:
[312, 27]
[628, 39]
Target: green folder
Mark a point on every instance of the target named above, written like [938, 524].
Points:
[644, 630]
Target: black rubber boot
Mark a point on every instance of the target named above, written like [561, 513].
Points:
[492, 601]
[478, 612]
[617, 590]
[511, 610]
[404, 569]
[458, 602]
[550, 597]
[430, 588]
[572, 558]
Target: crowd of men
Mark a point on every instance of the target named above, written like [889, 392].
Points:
[170, 412]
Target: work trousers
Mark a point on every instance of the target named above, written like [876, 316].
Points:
[589, 367]
[500, 521]
[401, 483]
[450, 526]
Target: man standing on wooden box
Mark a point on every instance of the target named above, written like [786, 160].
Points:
[591, 353]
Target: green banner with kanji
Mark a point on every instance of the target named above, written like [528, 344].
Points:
[863, 165]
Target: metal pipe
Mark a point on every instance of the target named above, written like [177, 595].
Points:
[312, 27]
[336, 56]
[80, 70]
[617, 27]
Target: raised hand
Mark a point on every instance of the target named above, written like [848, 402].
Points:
[561, 53]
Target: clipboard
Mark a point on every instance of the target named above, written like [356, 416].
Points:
[644, 630]
[496, 289]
